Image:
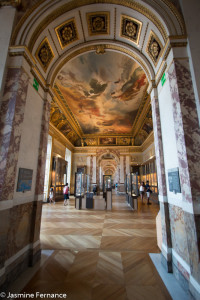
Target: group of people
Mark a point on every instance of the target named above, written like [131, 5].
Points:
[145, 188]
[65, 193]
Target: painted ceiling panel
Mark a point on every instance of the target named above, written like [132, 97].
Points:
[103, 92]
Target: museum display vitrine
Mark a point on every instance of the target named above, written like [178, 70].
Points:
[79, 185]
[132, 189]
[107, 183]
[149, 172]
[134, 184]
[58, 176]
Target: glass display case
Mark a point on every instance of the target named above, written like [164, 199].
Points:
[58, 176]
[129, 184]
[79, 185]
[87, 179]
[134, 184]
[107, 182]
[132, 189]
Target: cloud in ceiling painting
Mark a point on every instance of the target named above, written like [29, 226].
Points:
[103, 92]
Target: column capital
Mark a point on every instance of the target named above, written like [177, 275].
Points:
[14, 3]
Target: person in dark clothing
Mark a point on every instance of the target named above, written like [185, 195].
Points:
[148, 191]
[95, 189]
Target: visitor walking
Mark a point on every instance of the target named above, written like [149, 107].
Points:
[66, 194]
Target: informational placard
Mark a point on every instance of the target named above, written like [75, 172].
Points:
[24, 180]
[174, 181]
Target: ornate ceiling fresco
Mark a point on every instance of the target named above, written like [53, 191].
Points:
[103, 92]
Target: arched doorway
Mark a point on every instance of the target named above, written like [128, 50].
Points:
[50, 37]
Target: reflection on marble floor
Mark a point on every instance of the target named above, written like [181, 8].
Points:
[99, 255]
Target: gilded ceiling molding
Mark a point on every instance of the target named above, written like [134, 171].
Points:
[98, 23]
[14, 3]
[67, 33]
[44, 54]
[177, 14]
[94, 48]
[54, 132]
[130, 28]
[68, 117]
[142, 117]
[82, 26]
[140, 110]
[125, 3]
[154, 48]
[75, 4]
[67, 111]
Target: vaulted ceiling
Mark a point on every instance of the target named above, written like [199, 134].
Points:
[100, 59]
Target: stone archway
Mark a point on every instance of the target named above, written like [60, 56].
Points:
[38, 52]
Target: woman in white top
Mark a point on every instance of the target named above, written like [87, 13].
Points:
[51, 196]
[142, 187]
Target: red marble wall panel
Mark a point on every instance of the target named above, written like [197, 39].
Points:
[11, 121]
[186, 129]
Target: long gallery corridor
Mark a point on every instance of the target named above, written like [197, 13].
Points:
[99, 255]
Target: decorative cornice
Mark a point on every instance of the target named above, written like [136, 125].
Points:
[142, 116]
[158, 78]
[23, 51]
[14, 3]
[54, 132]
[148, 142]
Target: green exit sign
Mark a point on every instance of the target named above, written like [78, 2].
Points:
[35, 84]
[163, 79]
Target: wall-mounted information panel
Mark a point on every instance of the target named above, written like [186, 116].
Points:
[174, 181]
[24, 180]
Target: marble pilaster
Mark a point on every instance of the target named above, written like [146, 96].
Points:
[164, 207]
[186, 129]
[187, 133]
[91, 169]
[94, 169]
[11, 121]
[42, 149]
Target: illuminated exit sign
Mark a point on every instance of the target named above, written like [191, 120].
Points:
[163, 79]
[35, 84]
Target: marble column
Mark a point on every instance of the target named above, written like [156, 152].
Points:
[94, 169]
[121, 169]
[11, 121]
[91, 169]
[39, 189]
[187, 134]
[164, 207]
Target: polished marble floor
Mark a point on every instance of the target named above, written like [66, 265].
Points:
[99, 255]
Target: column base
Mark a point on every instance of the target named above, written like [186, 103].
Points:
[16, 268]
[166, 264]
